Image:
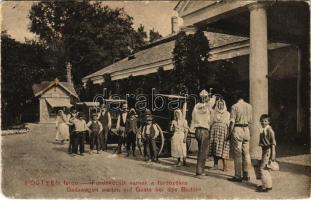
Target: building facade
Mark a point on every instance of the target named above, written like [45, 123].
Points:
[266, 43]
[54, 96]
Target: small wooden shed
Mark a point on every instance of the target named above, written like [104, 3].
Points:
[54, 96]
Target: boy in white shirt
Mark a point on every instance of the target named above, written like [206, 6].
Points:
[80, 128]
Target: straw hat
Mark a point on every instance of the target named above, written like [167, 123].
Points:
[203, 93]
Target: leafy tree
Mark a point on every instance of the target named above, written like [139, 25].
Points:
[154, 35]
[190, 57]
[23, 64]
[139, 38]
[82, 32]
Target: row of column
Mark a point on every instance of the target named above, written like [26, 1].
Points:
[258, 69]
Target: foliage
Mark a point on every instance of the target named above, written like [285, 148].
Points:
[23, 64]
[154, 35]
[139, 38]
[86, 34]
[190, 57]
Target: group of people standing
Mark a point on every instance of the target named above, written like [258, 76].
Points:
[216, 128]
[131, 132]
[74, 128]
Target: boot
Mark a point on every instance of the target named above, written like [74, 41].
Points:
[184, 162]
[178, 163]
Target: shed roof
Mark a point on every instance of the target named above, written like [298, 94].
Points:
[39, 89]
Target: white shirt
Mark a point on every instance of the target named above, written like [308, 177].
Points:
[201, 116]
[241, 113]
[80, 125]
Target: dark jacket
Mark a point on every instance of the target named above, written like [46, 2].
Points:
[131, 124]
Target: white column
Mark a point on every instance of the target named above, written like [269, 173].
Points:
[310, 70]
[258, 70]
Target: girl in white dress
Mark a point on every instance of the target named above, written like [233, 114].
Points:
[180, 129]
[62, 128]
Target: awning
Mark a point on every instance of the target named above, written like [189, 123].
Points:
[171, 96]
[59, 102]
[91, 104]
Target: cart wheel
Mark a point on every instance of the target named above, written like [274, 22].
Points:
[160, 140]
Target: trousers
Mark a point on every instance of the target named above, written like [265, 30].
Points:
[130, 141]
[202, 136]
[71, 141]
[79, 138]
[94, 141]
[265, 173]
[150, 148]
[240, 144]
[103, 138]
[121, 139]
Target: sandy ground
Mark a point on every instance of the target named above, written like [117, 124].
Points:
[35, 166]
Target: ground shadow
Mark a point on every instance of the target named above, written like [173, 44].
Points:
[63, 148]
[190, 172]
[294, 168]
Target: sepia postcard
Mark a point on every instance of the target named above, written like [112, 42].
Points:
[155, 99]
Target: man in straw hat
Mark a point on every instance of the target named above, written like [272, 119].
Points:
[105, 119]
[122, 117]
[131, 129]
[201, 119]
[149, 133]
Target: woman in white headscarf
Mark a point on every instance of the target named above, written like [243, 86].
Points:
[62, 128]
[180, 129]
[218, 145]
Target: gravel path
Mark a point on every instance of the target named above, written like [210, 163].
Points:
[35, 166]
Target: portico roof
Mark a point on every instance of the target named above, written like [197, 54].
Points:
[159, 54]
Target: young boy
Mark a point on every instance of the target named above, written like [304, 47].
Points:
[79, 132]
[150, 132]
[267, 143]
[95, 129]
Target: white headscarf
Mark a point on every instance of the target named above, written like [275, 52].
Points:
[180, 114]
[217, 106]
